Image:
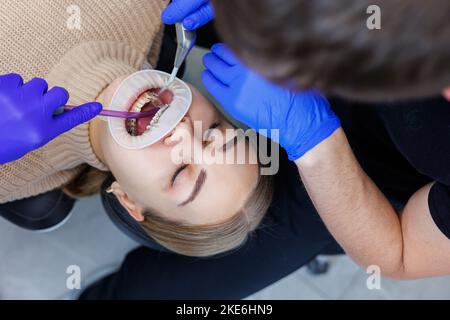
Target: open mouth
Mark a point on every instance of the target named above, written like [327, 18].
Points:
[147, 101]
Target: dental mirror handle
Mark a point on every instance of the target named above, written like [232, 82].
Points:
[122, 114]
[185, 42]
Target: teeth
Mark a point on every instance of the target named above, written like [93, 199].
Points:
[157, 117]
[131, 127]
[144, 99]
[148, 97]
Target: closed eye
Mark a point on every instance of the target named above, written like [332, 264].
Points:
[211, 129]
[209, 133]
[177, 173]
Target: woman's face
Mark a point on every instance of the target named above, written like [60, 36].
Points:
[181, 186]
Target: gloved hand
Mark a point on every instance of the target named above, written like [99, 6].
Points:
[304, 119]
[192, 13]
[26, 115]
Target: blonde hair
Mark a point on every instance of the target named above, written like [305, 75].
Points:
[185, 239]
[190, 240]
[88, 182]
[209, 240]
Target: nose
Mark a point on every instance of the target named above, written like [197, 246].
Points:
[184, 138]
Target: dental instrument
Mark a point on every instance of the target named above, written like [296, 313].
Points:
[185, 42]
[122, 114]
[160, 120]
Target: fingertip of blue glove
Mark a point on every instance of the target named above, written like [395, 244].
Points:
[61, 91]
[167, 17]
[97, 106]
[63, 95]
[204, 75]
[190, 24]
[207, 59]
[225, 54]
[94, 108]
[207, 79]
[217, 47]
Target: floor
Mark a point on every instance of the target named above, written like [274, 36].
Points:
[35, 265]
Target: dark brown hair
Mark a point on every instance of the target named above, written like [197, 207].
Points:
[326, 44]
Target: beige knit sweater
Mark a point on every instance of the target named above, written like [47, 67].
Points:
[81, 45]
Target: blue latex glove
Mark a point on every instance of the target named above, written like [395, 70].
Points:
[26, 115]
[192, 13]
[304, 119]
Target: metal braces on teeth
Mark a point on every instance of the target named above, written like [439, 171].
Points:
[155, 121]
[132, 128]
[132, 123]
[153, 98]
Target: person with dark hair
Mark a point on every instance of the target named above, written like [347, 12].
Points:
[327, 45]
[290, 236]
[395, 114]
[302, 49]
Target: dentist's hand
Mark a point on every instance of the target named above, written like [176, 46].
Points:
[304, 119]
[26, 115]
[192, 13]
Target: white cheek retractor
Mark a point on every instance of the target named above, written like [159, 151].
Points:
[131, 89]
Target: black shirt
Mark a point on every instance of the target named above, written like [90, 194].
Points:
[402, 147]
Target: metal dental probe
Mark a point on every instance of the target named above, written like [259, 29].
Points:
[122, 114]
[185, 42]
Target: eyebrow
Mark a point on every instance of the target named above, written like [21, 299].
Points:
[202, 176]
[230, 144]
[197, 188]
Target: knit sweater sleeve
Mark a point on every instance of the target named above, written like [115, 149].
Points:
[85, 71]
